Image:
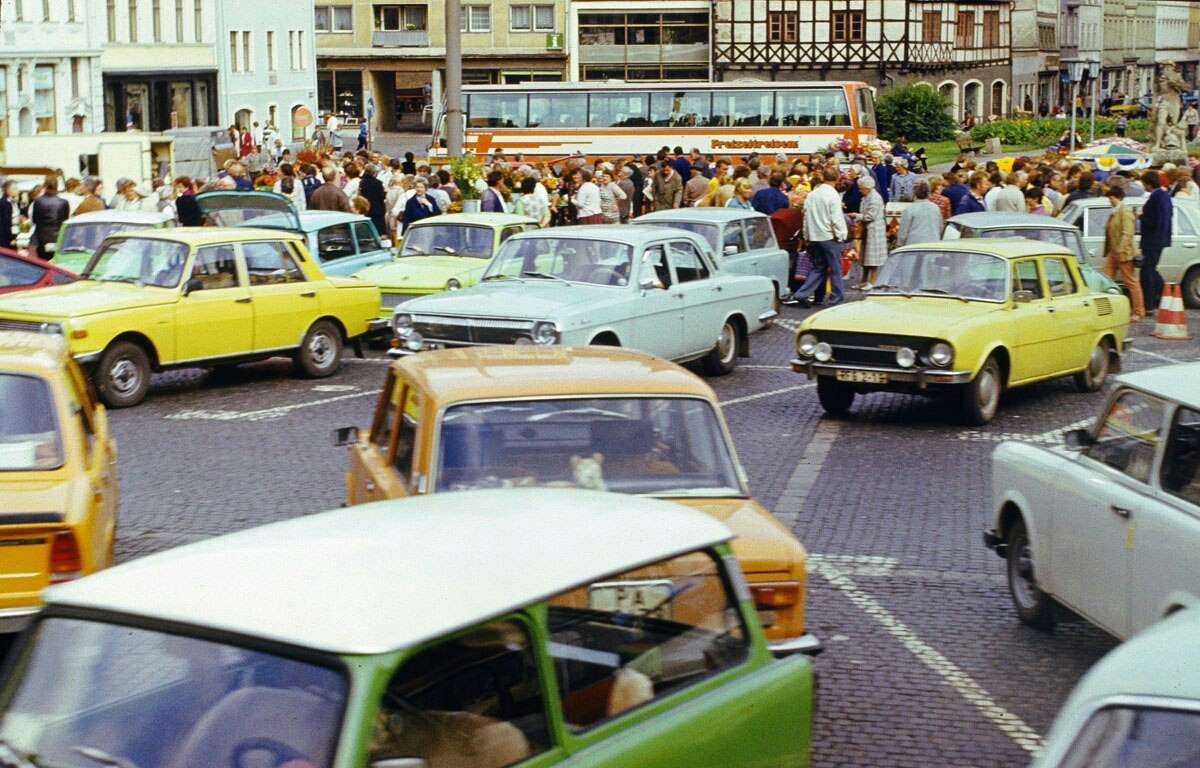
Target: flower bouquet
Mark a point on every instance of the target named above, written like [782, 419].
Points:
[466, 171]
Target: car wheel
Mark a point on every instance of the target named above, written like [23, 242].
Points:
[123, 375]
[981, 397]
[835, 398]
[321, 351]
[1090, 379]
[723, 357]
[1191, 288]
[1034, 607]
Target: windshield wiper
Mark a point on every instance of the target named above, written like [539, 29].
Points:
[501, 276]
[122, 279]
[940, 292]
[11, 757]
[545, 276]
[446, 249]
[100, 756]
[716, 492]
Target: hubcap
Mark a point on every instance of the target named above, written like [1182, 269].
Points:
[125, 376]
[321, 349]
[1023, 584]
[989, 390]
[1099, 361]
[726, 344]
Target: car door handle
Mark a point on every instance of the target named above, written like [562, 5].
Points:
[717, 288]
[1121, 512]
[1189, 245]
[246, 300]
[309, 294]
[1050, 310]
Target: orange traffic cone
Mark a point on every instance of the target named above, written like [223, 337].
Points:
[1171, 322]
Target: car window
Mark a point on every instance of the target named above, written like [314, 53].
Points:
[733, 238]
[270, 262]
[1135, 737]
[1058, 276]
[1181, 463]
[627, 640]
[29, 432]
[448, 701]
[1130, 435]
[1025, 278]
[654, 264]
[395, 432]
[563, 257]
[1182, 224]
[508, 232]
[1095, 220]
[215, 267]
[759, 233]
[335, 242]
[366, 238]
[16, 272]
[689, 266]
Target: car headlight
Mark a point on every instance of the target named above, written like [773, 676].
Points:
[545, 333]
[905, 357]
[941, 354]
[402, 323]
[806, 344]
[823, 352]
[51, 328]
[453, 285]
[413, 341]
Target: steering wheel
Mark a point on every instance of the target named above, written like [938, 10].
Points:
[281, 752]
[601, 275]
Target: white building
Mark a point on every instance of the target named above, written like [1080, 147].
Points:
[49, 67]
[1035, 55]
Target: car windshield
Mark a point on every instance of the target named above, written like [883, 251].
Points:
[709, 232]
[452, 239]
[1067, 238]
[29, 435]
[143, 261]
[598, 262]
[1136, 737]
[88, 236]
[663, 446]
[944, 273]
[138, 697]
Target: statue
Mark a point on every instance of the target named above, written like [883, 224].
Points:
[1168, 104]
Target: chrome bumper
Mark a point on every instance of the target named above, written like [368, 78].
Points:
[89, 357]
[920, 377]
[378, 326]
[768, 316]
[806, 644]
[15, 619]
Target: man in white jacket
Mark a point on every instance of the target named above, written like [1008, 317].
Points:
[826, 232]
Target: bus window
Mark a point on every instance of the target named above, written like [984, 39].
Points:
[814, 107]
[617, 110]
[558, 110]
[678, 108]
[866, 107]
[739, 108]
[496, 110]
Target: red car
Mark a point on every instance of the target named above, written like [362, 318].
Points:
[20, 273]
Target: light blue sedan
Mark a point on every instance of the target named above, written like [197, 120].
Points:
[649, 288]
[743, 241]
[343, 243]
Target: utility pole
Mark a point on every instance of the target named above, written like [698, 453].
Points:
[453, 116]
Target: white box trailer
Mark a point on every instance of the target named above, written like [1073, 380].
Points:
[110, 156]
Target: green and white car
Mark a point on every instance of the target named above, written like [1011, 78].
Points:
[529, 626]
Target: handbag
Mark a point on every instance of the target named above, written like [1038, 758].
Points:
[804, 265]
[856, 231]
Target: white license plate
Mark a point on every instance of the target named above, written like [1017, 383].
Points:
[861, 377]
[637, 598]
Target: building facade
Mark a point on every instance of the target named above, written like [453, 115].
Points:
[50, 78]
[388, 59]
[1037, 76]
[960, 48]
[669, 40]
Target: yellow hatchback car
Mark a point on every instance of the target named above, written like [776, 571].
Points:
[152, 300]
[600, 418]
[58, 474]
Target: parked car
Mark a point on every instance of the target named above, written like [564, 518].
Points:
[482, 629]
[1180, 263]
[343, 243]
[80, 236]
[1109, 524]
[967, 318]
[743, 241]
[185, 297]
[22, 273]
[1034, 227]
[598, 417]
[1138, 706]
[442, 253]
[58, 474]
[649, 288]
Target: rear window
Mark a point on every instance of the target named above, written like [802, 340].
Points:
[29, 433]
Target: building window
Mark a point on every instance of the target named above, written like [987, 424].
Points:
[75, 78]
[112, 21]
[335, 18]
[198, 22]
[931, 27]
[156, 16]
[991, 29]
[848, 26]
[303, 62]
[964, 31]
[477, 18]
[782, 26]
[531, 18]
[247, 58]
[648, 47]
[133, 20]
[271, 66]
[233, 51]
[72, 10]
[401, 18]
[1046, 37]
[292, 57]
[179, 21]
[43, 97]
[45, 10]
[19, 10]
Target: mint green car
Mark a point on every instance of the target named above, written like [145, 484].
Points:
[442, 253]
[520, 626]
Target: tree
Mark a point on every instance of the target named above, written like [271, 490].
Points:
[915, 111]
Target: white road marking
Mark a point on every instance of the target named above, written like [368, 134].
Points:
[368, 360]
[761, 395]
[265, 414]
[334, 388]
[1051, 437]
[787, 368]
[791, 325]
[1148, 353]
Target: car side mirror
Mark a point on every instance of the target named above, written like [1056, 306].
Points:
[194, 284]
[345, 436]
[731, 250]
[1078, 439]
[401, 762]
[1022, 297]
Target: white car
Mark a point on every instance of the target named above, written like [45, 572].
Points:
[1108, 525]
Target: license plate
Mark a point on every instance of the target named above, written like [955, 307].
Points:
[637, 598]
[862, 377]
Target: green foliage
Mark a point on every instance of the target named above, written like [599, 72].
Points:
[466, 171]
[1047, 130]
[915, 111]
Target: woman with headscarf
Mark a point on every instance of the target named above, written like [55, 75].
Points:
[871, 216]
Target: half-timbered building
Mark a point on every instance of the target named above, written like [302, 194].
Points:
[963, 49]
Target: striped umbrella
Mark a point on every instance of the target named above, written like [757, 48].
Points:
[1112, 157]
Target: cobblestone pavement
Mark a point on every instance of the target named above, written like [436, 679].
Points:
[926, 664]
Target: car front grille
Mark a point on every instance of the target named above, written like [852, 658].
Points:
[393, 300]
[471, 330]
[871, 348]
[31, 326]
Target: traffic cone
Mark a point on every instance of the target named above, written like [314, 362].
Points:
[1171, 322]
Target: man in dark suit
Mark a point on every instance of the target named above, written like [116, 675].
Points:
[371, 188]
[8, 213]
[1156, 235]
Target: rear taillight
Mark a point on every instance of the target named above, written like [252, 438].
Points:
[65, 560]
[775, 595]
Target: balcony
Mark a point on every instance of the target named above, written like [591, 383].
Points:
[409, 38]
